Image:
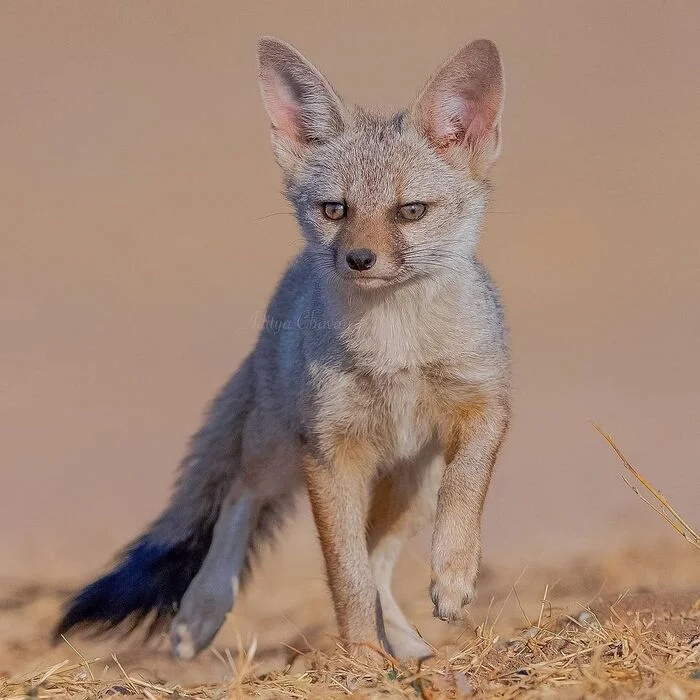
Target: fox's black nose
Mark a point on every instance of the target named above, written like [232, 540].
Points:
[360, 259]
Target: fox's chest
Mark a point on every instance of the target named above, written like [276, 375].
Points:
[390, 416]
[409, 426]
[408, 411]
[416, 408]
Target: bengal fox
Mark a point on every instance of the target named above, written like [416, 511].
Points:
[380, 381]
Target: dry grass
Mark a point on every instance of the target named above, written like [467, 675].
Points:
[660, 505]
[635, 646]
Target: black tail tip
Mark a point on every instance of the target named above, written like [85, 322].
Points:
[149, 582]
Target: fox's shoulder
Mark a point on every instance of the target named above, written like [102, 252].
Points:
[481, 314]
[297, 316]
[297, 287]
[491, 293]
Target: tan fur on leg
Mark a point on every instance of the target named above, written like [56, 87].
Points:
[339, 495]
[475, 436]
[403, 502]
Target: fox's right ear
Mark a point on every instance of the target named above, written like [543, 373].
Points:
[302, 106]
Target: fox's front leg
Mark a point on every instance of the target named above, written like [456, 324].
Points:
[471, 445]
[339, 491]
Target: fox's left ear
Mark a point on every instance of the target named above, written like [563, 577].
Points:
[459, 110]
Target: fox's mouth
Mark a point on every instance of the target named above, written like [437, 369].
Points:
[365, 280]
[372, 282]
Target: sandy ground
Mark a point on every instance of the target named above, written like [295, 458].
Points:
[287, 609]
[142, 233]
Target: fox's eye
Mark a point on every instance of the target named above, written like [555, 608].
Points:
[334, 210]
[412, 211]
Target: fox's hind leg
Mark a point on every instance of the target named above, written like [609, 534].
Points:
[265, 492]
[212, 593]
[403, 502]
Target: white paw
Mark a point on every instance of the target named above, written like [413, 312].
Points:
[200, 617]
[181, 642]
[450, 595]
[406, 644]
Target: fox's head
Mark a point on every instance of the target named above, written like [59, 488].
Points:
[385, 200]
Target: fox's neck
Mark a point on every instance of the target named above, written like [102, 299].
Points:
[398, 327]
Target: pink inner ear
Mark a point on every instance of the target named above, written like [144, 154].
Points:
[284, 110]
[450, 117]
[481, 122]
[460, 118]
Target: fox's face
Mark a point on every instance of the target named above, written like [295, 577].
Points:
[385, 200]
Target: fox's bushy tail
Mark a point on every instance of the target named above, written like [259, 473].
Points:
[152, 574]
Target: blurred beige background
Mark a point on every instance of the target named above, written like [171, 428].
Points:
[137, 249]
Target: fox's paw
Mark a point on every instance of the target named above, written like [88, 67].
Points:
[451, 592]
[190, 635]
[369, 654]
[182, 642]
[406, 644]
[200, 617]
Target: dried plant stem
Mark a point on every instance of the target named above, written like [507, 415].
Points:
[665, 509]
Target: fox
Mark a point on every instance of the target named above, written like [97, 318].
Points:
[379, 383]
